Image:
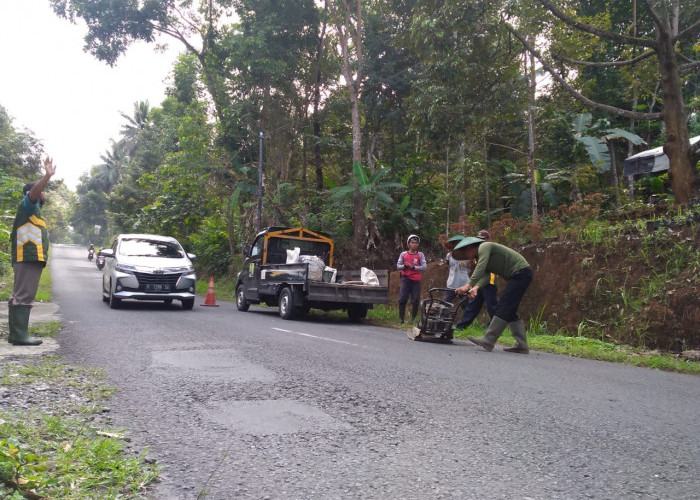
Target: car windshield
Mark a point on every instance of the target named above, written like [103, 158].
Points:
[150, 248]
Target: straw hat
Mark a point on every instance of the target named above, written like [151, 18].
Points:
[459, 251]
[452, 242]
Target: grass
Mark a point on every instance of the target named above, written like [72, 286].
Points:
[60, 452]
[43, 293]
[48, 329]
[590, 348]
[223, 289]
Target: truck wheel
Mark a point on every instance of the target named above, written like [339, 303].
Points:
[357, 312]
[287, 310]
[241, 303]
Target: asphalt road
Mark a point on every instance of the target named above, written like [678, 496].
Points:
[249, 406]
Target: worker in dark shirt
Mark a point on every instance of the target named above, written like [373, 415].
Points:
[30, 252]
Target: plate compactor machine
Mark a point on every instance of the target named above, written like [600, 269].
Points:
[437, 317]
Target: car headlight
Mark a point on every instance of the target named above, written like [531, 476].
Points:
[123, 268]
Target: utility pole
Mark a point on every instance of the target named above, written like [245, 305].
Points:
[447, 191]
[531, 134]
[260, 184]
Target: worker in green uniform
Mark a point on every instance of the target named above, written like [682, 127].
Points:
[30, 252]
[509, 264]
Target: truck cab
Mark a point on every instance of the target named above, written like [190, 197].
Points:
[270, 247]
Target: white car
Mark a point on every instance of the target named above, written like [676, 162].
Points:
[147, 267]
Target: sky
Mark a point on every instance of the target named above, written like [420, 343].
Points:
[65, 96]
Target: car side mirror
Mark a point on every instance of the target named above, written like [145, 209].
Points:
[191, 256]
[246, 251]
[107, 252]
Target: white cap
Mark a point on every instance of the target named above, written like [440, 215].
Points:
[408, 240]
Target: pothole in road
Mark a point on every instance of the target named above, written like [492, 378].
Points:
[223, 364]
[279, 416]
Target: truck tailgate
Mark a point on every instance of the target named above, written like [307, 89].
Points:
[350, 290]
[344, 292]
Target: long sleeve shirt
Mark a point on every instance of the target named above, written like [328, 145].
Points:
[497, 259]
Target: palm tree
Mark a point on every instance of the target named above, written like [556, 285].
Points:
[131, 131]
[115, 161]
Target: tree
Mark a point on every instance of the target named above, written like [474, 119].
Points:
[89, 208]
[469, 88]
[134, 126]
[20, 151]
[256, 66]
[347, 17]
[114, 25]
[271, 59]
[666, 29]
[115, 161]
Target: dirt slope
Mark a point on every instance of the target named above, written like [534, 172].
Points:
[606, 288]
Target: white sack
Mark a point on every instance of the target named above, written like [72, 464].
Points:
[369, 277]
[293, 255]
[333, 271]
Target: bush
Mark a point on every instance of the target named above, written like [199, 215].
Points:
[211, 246]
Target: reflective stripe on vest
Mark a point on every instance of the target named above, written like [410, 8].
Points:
[30, 234]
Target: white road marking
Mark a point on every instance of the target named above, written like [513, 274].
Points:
[317, 337]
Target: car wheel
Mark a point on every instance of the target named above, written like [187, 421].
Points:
[168, 301]
[241, 303]
[187, 304]
[114, 302]
[286, 308]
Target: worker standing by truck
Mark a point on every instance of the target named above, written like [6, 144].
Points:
[411, 263]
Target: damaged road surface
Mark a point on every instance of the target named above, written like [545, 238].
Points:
[250, 406]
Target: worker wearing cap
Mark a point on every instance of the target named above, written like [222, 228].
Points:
[509, 264]
[411, 263]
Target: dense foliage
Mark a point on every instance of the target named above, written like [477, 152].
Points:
[459, 123]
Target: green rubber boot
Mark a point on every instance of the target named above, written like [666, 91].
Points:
[517, 328]
[494, 331]
[19, 323]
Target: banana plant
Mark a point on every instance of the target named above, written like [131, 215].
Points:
[596, 137]
[373, 188]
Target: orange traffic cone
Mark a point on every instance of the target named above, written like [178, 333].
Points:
[210, 300]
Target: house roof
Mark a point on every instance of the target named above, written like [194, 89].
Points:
[651, 160]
